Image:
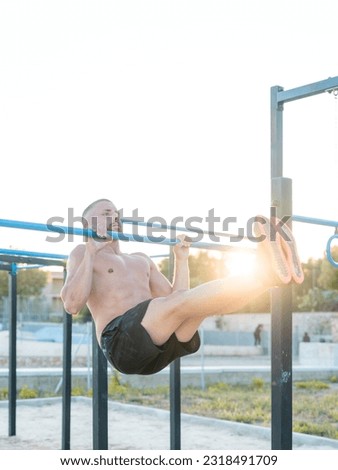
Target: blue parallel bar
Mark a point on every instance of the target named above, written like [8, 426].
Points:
[327, 223]
[114, 235]
[308, 90]
[175, 228]
[312, 220]
[6, 251]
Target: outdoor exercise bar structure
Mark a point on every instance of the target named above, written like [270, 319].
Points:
[281, 318]
[133, 237]
[8, 261]
[281, 305]
[327, 223]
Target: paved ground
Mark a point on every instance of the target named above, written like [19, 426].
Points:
[135, 427]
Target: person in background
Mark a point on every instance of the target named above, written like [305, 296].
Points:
[257, 334]
[306, 337]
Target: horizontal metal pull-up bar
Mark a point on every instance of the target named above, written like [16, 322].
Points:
[155, 225]
[51, 228]
[31, 257]
[30, 254]
[306, 91]
[313, 220]
[326, 223]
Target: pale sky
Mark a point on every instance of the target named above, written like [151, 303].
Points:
[163, 106]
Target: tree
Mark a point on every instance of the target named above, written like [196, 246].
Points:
[328, 277]
[29, 282]
[319, 291]
[203, 268]
[3, 284]
[318, 300]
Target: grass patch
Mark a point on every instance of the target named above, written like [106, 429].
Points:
[3, 393]
[323, 430]
[314, 403]
[27, 392]
[315, 408]
[312, 385]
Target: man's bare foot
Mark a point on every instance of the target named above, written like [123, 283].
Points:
[275, 264]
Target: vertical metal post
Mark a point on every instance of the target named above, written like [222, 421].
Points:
[281, 299]
[12, 350]
[175, 405]
[276, 134]
[100, 397]
[175, 388]
[66, 378]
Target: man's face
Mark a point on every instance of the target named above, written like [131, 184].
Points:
[103, 218]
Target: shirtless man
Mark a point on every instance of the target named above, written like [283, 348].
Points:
[143, 322]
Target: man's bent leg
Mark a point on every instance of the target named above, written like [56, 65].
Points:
[186, 309]
[178, 311]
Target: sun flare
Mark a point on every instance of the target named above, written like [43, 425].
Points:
[241, 264]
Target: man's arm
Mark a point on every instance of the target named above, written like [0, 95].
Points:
[159, 284]
[181, 279]
[78, 285]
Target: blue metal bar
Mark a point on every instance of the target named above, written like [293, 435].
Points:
[129, 220]
[31, 260]
[51, 228]
[312, 220]
[308, 90]
[32, 266]
[276, 130]
[329, 253]
[6, 251]
[327, 223]
[114, 235]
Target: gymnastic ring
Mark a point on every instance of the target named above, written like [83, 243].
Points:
[329, 253]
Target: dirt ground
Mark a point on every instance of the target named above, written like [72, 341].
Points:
[134, 427]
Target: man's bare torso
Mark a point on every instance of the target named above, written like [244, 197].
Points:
[120, 281]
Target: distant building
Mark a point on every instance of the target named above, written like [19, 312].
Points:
[52, 290]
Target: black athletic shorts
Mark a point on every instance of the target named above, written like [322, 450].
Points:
[129, 348]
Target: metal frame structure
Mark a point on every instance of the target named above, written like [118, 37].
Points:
[281, 320]
[281, 305]
[9, 259]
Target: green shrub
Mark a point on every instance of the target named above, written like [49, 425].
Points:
[78, 392]
[257, 383]
[323, 430]
[218, 387]
[312, 385]
[115, 387]
[26, 392]
[3, 393]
